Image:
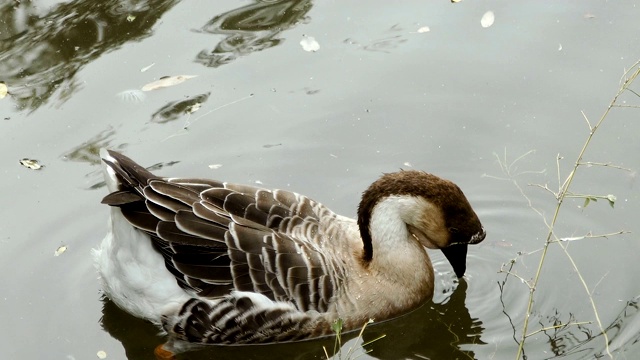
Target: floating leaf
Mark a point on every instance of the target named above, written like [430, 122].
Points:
[60, 250]
[4, 90]
[167, 81]
[31, 164]
[309, 44]
[130, 18]
[487, 19]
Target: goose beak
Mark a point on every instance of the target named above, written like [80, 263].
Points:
[457, 256]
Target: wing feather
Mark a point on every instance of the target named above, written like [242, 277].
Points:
[218, 237]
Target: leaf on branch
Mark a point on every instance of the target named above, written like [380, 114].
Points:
[612, 199]
[588, 199]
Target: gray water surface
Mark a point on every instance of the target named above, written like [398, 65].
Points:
[381, 93]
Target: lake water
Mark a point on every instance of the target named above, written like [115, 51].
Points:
[415, 84]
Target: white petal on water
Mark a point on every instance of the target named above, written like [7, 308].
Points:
[424, 29]
[559, 47]
[167, 81]
[309, 44]
[487, 19]
[4, 90]
[215, 166]
[147, 67]
[60, 250]
[101, 354]
[408, 164]
[32, 164]
[133, 96]
[258, 182]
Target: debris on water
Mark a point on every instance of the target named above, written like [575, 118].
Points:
[60, 250]
[167, 81]
[193, 108]
[424, 29]
[32, 164]
[4, 90]
[309, 43]
[175, 109]
[101, 354]
[132, 96]
[407, 164]
[559, 47]
[130, 18]
[147, 67]
[258, 182]
[487, 19]
[215, 166]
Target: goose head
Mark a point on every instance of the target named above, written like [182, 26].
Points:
[435, 211]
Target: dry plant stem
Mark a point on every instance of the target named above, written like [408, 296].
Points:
[561, 196]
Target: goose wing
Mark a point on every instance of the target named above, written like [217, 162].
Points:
[218, 237]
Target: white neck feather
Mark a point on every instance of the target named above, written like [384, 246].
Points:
[393, 244]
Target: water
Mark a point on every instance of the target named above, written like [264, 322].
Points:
[377, 95]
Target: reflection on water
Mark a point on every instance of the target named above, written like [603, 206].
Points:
[568, 336]
[426, 333]
[40, 53]
[89, 150]
[175, 109]
[251, 28]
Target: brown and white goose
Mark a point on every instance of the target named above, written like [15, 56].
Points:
[219, 263]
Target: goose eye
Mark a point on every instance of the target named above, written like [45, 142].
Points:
[453, 230]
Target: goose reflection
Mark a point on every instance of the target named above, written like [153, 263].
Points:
[434, 331]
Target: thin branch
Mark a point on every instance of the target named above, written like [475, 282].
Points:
[591, 236]
[545, 187]
[562, 193]
[628, 106]
[589, 293]
[590, 163]
[523, 280]
[638, 95]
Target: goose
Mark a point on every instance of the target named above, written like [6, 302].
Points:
[214, 262]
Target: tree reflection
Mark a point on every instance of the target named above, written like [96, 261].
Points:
[40, 53]
[251, 28]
